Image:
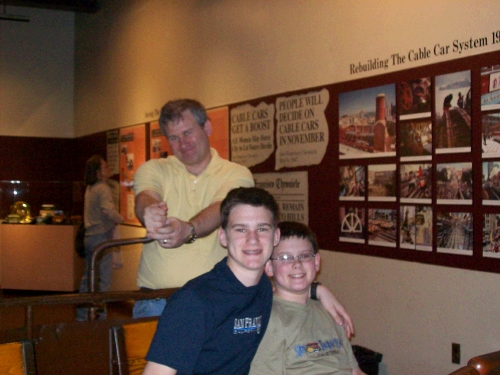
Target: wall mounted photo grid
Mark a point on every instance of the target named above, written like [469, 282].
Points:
[399, 165]
[435, 163]
[431, 115]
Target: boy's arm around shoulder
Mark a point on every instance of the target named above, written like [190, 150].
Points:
[335, 309]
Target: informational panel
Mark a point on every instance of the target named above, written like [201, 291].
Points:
[252, 133]
[291, 191]
[302, 133]
[113, 151]
[220, 130]
[132, 154]
[431, 155]
[158, 144]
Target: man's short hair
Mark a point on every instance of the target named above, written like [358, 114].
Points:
[252, 196]
[172, 112]
[290, 229]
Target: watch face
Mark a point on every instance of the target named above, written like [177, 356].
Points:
[192, 234]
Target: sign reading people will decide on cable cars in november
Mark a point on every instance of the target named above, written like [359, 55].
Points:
[301, 130]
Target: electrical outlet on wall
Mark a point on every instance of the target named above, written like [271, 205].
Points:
[455, 353]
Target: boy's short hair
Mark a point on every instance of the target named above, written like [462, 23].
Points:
[252, 196]
[291, 229]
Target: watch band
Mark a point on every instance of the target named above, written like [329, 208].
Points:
[192, 235]
[314, 286]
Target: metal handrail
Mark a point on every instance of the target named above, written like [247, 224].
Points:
[106, 245]
[77, 298]
[93, 260]
[92, 297]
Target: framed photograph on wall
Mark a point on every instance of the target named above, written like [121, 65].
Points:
[415, 140]
[415, 183]
[491, 235]
[382, 182]
[453, 113]
[352, 224]
[454, 183]
[454, 232]
[416, 224]
[367, 123]
[490, 87]
[382, 227]
[491, 183]
[415, 98]
[490, 137]
[407, 227]
[352, 180]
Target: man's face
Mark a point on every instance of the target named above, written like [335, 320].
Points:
[250, 237]
[296, 277]
[188, 140]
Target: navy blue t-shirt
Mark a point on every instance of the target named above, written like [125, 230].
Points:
[212, 325]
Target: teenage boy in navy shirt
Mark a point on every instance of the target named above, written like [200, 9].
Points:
[214, 324]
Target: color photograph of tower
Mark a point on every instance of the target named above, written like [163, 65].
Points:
[367, 122]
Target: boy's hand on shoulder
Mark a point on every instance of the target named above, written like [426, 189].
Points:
[335, 309]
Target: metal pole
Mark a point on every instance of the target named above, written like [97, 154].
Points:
[93, 260]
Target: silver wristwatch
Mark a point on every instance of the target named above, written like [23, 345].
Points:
[192, 235]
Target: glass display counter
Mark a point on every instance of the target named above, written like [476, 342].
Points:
[39, 257]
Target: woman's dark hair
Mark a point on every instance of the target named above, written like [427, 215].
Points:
[92, 166]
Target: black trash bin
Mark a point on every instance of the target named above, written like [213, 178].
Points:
[368, 360]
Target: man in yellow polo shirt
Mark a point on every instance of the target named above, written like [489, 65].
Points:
[178, 199]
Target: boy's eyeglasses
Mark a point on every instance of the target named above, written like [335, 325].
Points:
[286, 258]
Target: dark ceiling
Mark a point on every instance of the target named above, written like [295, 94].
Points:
[87, 6]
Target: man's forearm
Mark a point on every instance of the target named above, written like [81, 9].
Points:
[207, 220]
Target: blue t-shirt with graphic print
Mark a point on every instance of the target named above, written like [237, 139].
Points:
[213, 324]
